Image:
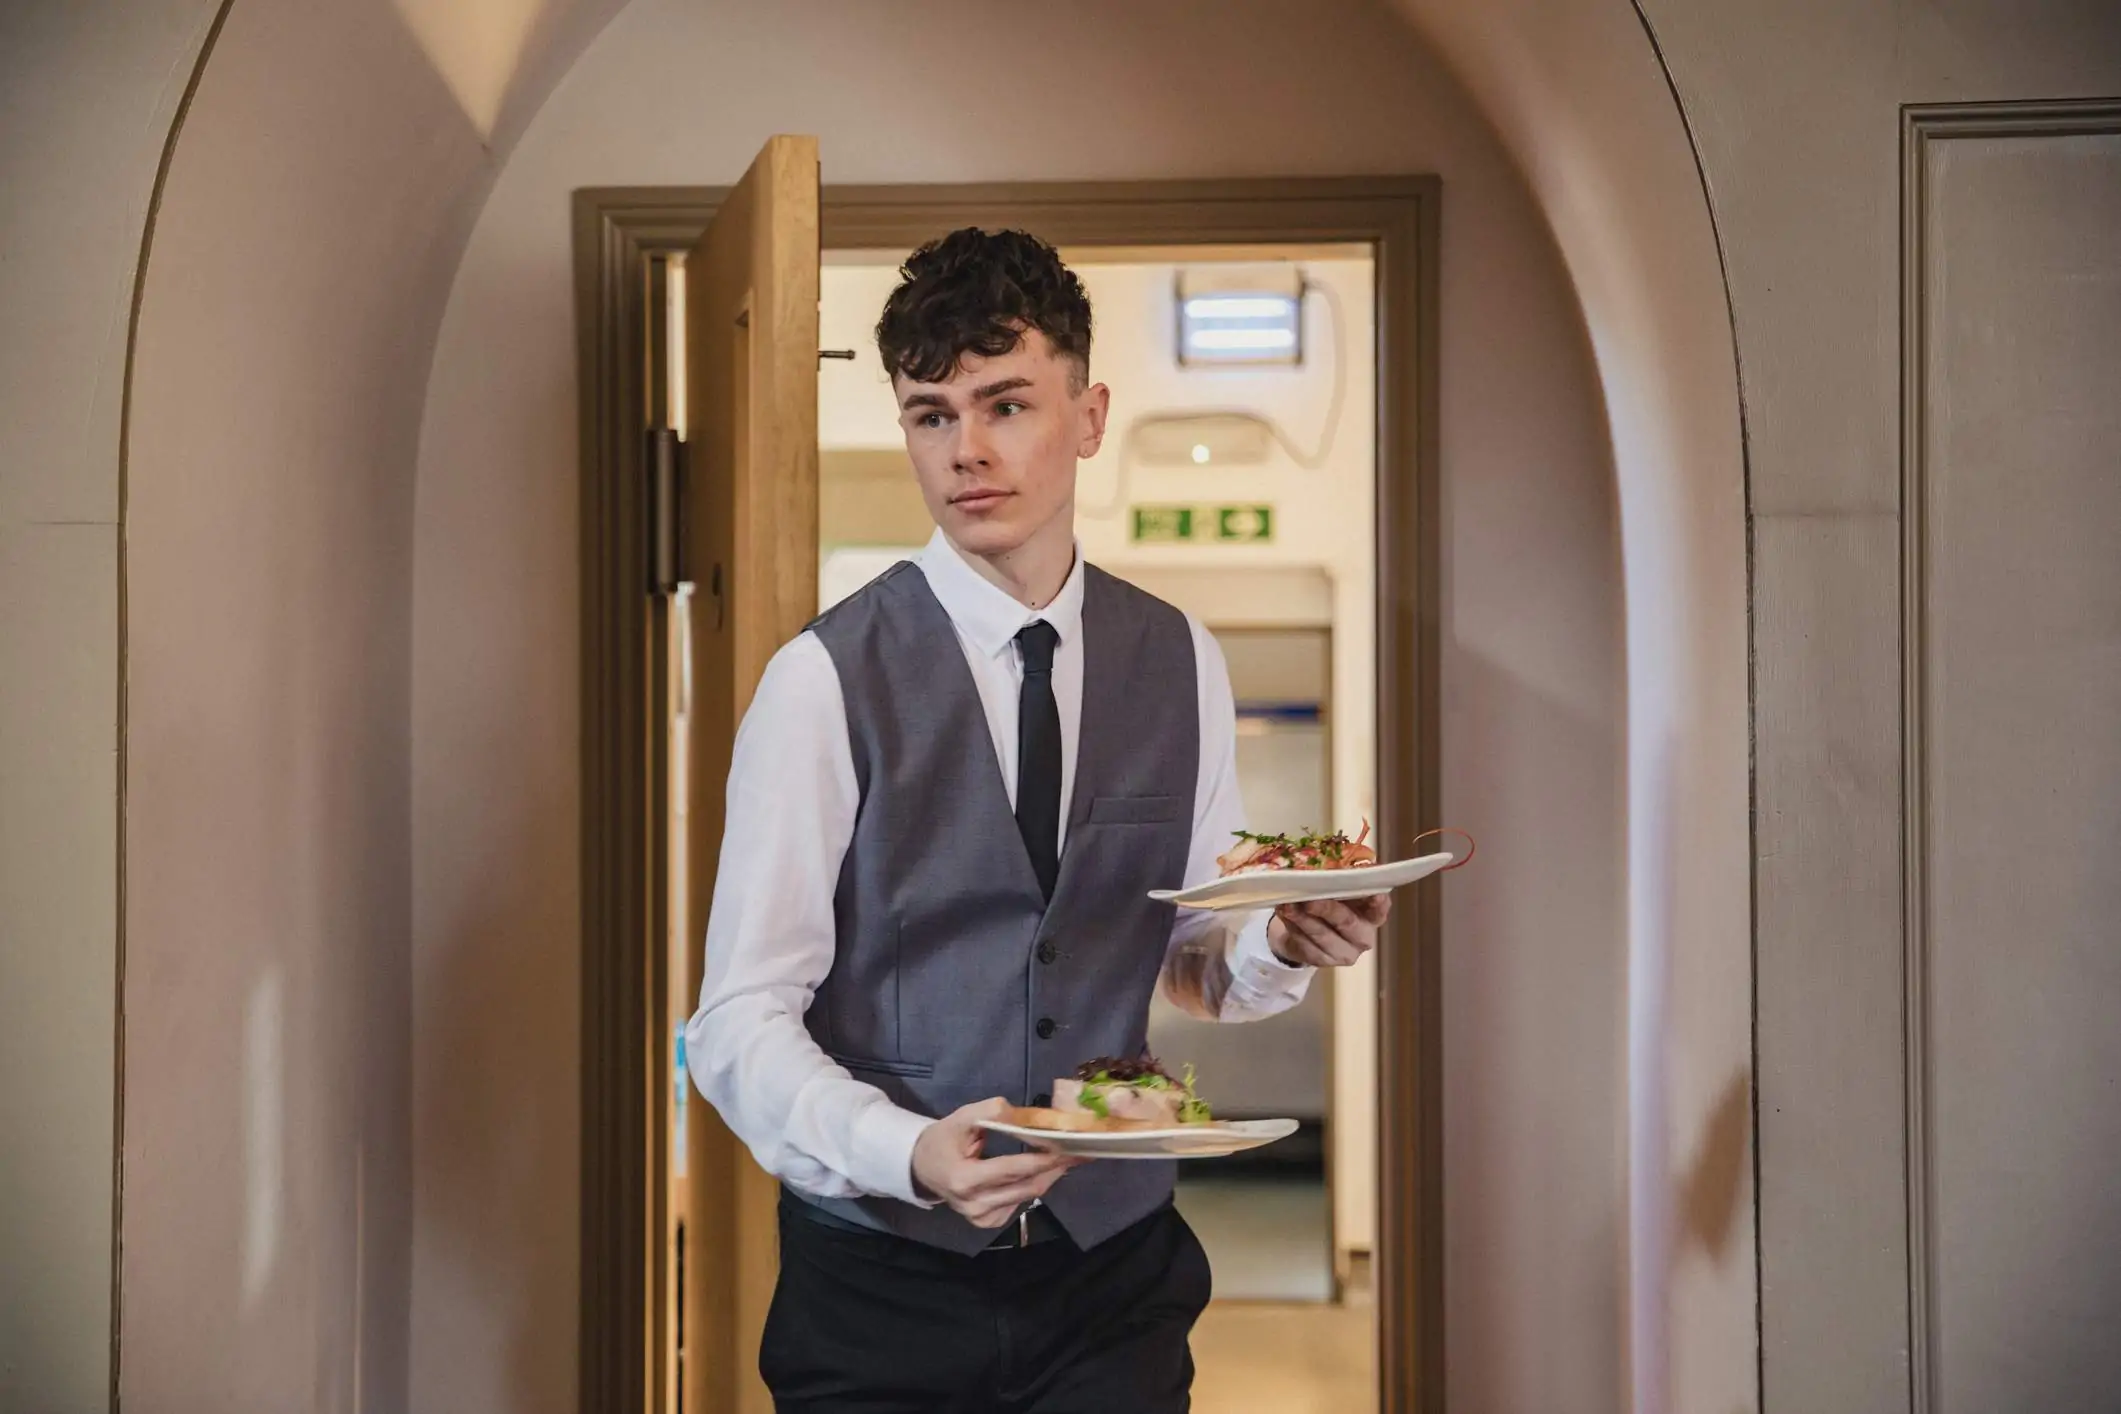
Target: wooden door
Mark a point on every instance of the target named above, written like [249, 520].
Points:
[751, 330]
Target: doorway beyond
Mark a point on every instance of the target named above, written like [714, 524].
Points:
[634, 983]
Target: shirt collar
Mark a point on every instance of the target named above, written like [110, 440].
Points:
[985, 614]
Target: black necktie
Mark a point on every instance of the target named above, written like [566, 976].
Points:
[1038, 754]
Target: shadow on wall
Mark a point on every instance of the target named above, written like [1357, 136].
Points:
[1535, 1046]
[1711, 1189]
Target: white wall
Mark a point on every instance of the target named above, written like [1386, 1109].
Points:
[1535, 953]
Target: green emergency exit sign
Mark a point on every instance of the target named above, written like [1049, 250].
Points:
[1201, 524]
[1244, 523]
[1154, 523]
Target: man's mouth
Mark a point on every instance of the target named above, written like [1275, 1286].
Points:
[979, 496]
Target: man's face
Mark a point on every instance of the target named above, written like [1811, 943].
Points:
[994, 446]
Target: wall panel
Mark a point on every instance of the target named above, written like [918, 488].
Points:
[2013, 518]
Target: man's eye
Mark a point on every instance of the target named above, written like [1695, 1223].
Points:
[930, 420]
[1008, 408]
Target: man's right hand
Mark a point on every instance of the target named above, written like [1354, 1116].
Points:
[947, 1164]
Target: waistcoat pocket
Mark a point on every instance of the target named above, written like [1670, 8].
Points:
[915, 1070]
[1137, 810]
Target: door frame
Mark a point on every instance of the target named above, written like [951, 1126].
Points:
[618, 234]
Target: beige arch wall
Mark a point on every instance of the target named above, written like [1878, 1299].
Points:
[285, 910]
[329, 170]
[1579, 95]
[282, 326]
[90, 91]
[1790, 117]
[1533, 665]
[1799, 118]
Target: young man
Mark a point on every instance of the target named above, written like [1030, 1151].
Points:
[948, 803]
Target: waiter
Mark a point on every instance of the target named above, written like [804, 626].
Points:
[948, 803]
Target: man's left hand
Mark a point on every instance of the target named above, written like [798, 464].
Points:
[1327, 933]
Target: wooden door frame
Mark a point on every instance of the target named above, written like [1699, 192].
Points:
[617, 233]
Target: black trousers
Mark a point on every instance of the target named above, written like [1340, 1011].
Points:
[868, 1323]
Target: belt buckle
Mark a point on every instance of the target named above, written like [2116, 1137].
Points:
[1023, 1229]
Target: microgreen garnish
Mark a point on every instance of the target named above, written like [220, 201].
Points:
[1145, 1073]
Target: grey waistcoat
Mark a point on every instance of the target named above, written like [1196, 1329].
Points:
[953, 979]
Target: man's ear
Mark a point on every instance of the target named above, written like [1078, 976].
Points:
[1094, 406]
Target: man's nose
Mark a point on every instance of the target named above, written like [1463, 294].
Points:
[973, 450]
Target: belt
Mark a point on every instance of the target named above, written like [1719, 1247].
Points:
[1030, 1227]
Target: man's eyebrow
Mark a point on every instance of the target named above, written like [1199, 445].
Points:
[979, 395]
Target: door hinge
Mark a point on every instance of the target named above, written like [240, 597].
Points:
[665, 498]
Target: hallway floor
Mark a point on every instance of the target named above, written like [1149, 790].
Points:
[1273, 1342]
[1257, 1357]
[1268, 1239]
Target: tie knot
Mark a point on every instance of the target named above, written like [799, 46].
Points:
[1036, 640]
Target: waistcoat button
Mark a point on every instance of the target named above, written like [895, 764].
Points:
[1047, 952]
[1046, 1028]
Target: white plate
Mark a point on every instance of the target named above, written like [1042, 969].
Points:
[1270, 888]
[1190, 1141]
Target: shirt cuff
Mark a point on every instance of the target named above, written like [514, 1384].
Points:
[1254, 967]
[882, 1152]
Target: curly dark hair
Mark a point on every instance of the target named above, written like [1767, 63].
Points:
[976, 292]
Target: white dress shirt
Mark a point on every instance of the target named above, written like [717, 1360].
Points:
[792, 803]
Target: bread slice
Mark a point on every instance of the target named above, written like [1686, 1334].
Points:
[1073, 1121]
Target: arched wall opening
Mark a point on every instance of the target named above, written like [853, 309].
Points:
[351, 558]
[1582, 98]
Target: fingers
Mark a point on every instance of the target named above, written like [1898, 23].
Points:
[989, 1191]
[1350, 915]
[1316, 943]
[968, 1139]
[1334, 914]
[995, 1208]
[1318, 936]
[1298, 949]
[1374, 909]
[986, 1176]
[1333, 933]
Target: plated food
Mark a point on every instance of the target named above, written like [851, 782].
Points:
[1132, 1109]
[1259, 853]
[1114, 1096]
[1268, 871]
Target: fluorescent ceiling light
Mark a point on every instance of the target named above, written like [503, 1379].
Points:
[1240, 307]
[1240, 315]
[1250, 340]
